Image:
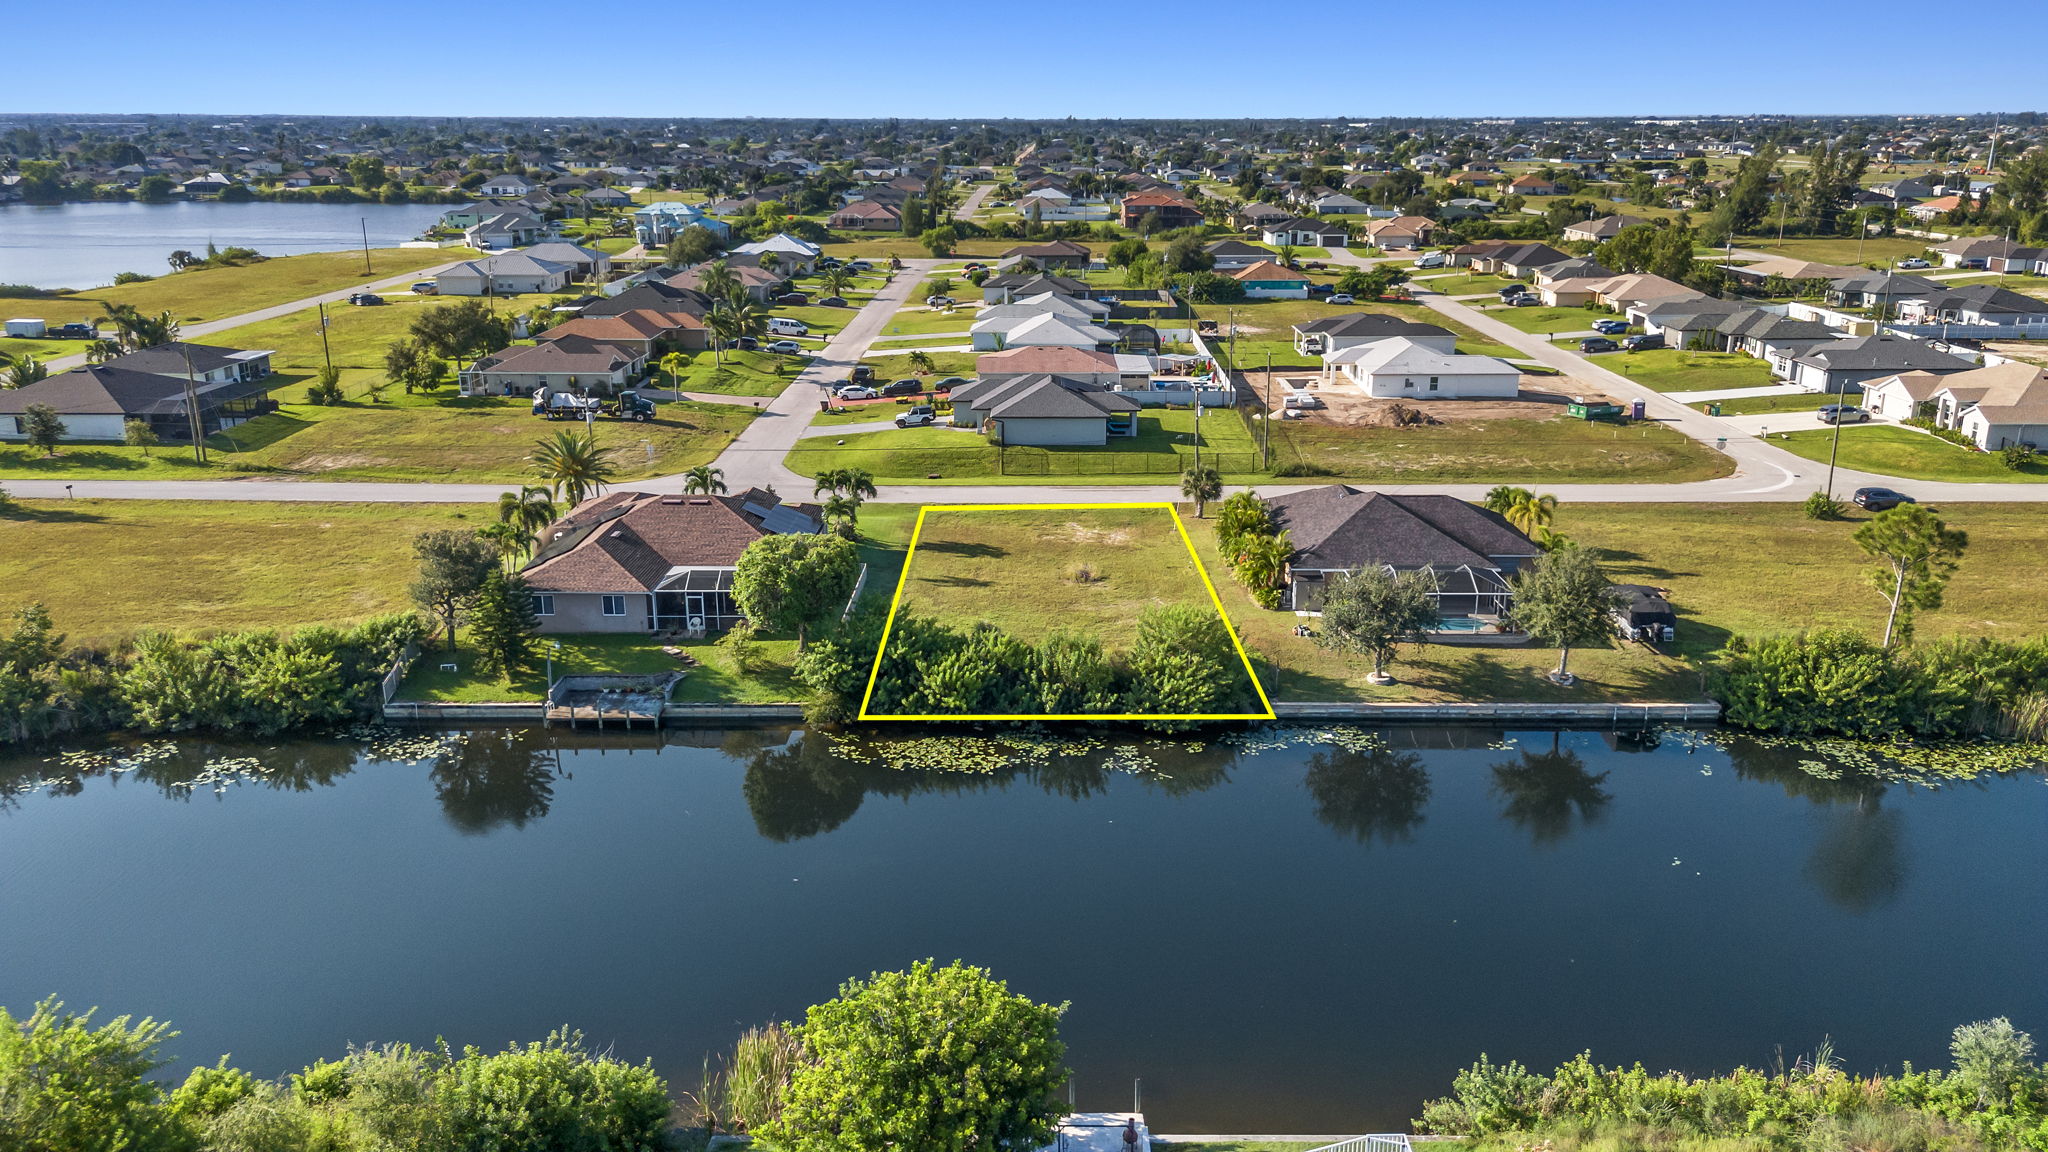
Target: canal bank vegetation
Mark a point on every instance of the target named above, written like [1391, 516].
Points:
[1994, 1096]
[928, 1058]
[255, 682]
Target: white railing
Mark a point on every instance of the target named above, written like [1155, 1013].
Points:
[396, 672]
[1378, 1142]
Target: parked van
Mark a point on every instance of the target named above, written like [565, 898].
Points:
[784, 326]
[1431, 260]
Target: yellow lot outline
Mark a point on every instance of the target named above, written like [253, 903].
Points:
[902, 579]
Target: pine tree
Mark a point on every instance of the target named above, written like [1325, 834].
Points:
[502, 626]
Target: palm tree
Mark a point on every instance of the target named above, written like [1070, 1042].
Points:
[511, 542]
[836, 280]
[705, 479]
[529, 510]
[1201, 485]
[921, 362]
[25, 371]
[574, 465]
[724, 330]
[718, 280]
[770, 262]
[842, 515]
[673, 364]
[856, 482]
[1531, 513]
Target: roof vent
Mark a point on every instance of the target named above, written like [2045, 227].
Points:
[618, 534]
[672, 500]
[700, 501]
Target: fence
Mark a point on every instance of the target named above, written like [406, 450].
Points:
[396, 672]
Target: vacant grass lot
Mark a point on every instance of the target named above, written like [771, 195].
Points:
[1843, 250]
[1532, 451]
[1675, 370]
[449, 438]
[1030, 572]
[357, 337]
[107, 568]
[43, 350]
[211, 293]
[1892, 451]
[1798, 402]
[1462, 282]
[736, 373]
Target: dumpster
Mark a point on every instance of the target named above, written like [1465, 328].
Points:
[1583, 409]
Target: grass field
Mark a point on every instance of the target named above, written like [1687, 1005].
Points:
[737, 373]
[445, 438]
[1892, 451]
[1462, 283]
[1674, 370]
[211, 293]
[43, 350]
[206, 566]
[1531, 451]
[356, 338]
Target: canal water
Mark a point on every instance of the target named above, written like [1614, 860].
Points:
[86, 245]
[1303, 932]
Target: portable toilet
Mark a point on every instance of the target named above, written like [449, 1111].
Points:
[30, 328]
[1635, 410]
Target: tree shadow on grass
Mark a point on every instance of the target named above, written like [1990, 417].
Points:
[959, 548]
[262, 432]
[72, 460]
[956, 581]
[42, 514]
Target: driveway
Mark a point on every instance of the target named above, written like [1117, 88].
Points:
[972, 204]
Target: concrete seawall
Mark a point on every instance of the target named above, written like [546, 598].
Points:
[1628, 714]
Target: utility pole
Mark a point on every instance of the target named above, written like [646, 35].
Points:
[366, 245]
[325, 354]
[1266, 440]
[192, 419]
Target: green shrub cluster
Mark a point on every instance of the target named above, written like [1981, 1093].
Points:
[1833, 682]
[1995, 1097]
[1183, 661]
[257, 682]
[1940, 433]
[67, 1084]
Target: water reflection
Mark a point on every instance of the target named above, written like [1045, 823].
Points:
[1858, 861]
[494, 779]
[1372, 795]
[1547, 793]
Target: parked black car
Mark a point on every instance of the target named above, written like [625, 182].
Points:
[746, 344]
[1597, 344]
[1879, 499]
[1643, 343]
[861, 374]
[1513, 290]
[832, 302]
[903, 388]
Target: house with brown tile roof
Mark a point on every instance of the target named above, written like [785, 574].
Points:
[1401, 232]
[867, 216]
[1085, 364]
[641, 331]
[648, 562]
[1173, 211]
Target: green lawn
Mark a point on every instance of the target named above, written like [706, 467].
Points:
[736, 373]
[201, 566]
[1546, 320]
[1893, 451]
[445, 438]
[211, 293]
[713, 680]
[1462, 283]
[1807, 402]
[916, 319]
[356, 338]
[1674, 370]
[1519, 451]
[1162, 449]
[43, 350]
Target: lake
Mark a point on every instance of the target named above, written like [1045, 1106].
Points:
[85, 245]
[1292, 931]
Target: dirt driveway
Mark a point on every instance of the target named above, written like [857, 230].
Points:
[1537, 398]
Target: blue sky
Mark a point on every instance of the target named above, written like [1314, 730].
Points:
[967, 59]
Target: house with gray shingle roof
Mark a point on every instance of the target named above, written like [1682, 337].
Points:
[1473, 553]
[1841, 364]
[1044, 410]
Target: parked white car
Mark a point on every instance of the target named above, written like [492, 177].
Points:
[786, 347]
[857, 392]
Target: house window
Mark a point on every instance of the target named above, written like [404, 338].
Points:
[543, 604]
[1432, 383]
[1408, 382]
[615, 605]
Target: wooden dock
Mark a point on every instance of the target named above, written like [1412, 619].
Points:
[602, 716]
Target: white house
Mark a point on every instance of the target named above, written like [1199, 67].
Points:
[1402, 369]
[506, 274]
[505, 230]
[1997, 406]
[1043, 330]
[505, 185]
[791, 252]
